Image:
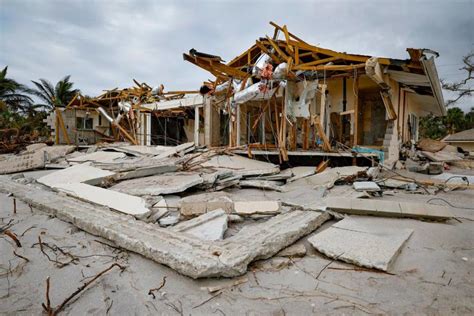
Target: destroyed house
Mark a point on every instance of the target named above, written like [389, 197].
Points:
[285, 96]
[140, 115]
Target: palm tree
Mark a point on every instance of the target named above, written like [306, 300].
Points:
[52, 96]
[12, 97]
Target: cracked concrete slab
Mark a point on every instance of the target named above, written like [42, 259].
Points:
[241, 165]
[160, 184]
[127, 204]
[75, 174]
[362, 242]
[262, 184]
[198, 204]
[182, 252]
[324, 179]
[209, 226]
[29, 160]
[247, 208]
[99, 157]
[389, 208]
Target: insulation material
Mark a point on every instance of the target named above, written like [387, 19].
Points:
[299, 96]
[264, 59]
[280, 71]
[254, 93]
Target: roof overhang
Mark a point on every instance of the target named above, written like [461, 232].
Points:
[432, 74]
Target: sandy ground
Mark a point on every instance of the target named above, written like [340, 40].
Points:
[434, 274]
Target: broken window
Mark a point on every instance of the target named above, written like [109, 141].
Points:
[84, 123]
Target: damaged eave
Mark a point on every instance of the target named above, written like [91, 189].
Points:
[432, 74]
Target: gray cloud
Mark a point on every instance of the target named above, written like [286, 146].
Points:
[104, 44]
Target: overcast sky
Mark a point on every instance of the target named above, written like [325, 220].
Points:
[103, 44]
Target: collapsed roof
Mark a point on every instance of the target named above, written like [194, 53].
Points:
[302, 60]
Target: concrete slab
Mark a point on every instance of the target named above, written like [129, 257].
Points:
[389, 208]
[295, 250]
[246, 208]
[301, 172]
[454, 178]
[127, 204]
[210, 226]
[262, 184]
[182, 252]
[173, 150]
[75, 174]
[326, 179]
[169, 220]
[369, 186]
[241, 165]
[361, 242]
[99, 157]
[160, 184]
[198, 204]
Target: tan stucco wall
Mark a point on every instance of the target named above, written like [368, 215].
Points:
[467, 146]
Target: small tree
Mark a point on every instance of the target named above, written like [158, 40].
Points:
[462, 88]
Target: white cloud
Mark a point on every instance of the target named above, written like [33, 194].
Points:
[104, 44]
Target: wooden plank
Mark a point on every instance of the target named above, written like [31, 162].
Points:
[322, 166]
[322, 110]
[287, 38]
[387, 101]
[305, 134]
[329, 52]
[322, 135]
[278, 49]
[316, 62]
[277, 27]
[275, 58]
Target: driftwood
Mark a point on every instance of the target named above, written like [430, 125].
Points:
[54, 311]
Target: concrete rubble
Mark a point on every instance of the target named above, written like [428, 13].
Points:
[158, 185]
[81, 173]
[362, 241]
[245, 208]
[209, 226]
[206, 213]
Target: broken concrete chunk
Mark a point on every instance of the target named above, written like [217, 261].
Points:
[368, 186]
[210, 226]
[98, 156]
[172, 150]
[241, 165]
[362, 241]
[301, 172]
[262, 184]
[127, 204]
[198, 204]
[158, 185]
[326, 178]
[389, 208]
[75, 174]
[169, 220]
[140, 172]
[430, 145]
[295, 250]
[233, 218]
[257, 207]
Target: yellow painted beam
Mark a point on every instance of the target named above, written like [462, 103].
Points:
[317, 62]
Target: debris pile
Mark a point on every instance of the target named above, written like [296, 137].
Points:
[159, 201]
